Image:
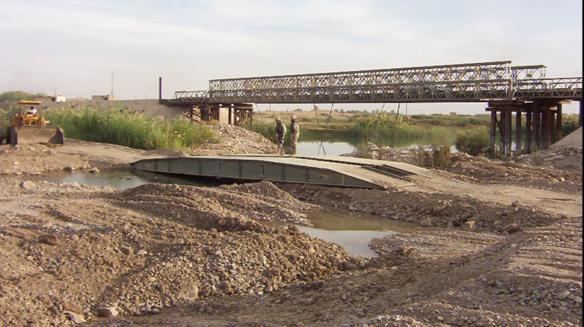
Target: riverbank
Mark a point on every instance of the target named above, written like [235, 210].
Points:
[174, 254]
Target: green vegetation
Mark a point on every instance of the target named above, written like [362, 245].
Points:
[569, 123]
[8, 101]
[473, 141]
[130, 129]
[387, 129]
[267, 129]
[10, 97]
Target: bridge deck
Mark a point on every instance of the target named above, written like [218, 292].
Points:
[331, 171]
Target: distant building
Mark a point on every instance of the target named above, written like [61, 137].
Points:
[453, 113]
[59, 98]
[100, 97]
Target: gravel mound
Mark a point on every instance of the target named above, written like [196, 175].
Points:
[69, 257]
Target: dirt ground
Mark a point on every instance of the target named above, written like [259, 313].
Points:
[486, 254]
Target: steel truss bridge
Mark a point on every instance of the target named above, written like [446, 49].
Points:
[473, 82]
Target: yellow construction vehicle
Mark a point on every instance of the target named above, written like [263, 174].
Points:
[29, 126]
[28, 114]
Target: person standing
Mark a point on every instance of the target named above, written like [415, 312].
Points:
[294, 133]
[280, 135]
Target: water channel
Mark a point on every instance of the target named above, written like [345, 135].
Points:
[352, 231]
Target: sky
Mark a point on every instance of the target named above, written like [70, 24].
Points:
[71, 47]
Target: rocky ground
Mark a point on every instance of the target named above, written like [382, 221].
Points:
[72, 253]
[237, 140]
[160, 254]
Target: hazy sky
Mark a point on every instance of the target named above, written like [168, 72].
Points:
[73, 46]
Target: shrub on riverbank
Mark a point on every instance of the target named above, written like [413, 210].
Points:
[130, 129]
[473, 141]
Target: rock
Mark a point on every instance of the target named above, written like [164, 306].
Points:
[470, 224]
[515, 204]
[68, 169]
[127, 250]
[27, 185]
[94, 170]
[76, 318]
[512, 228]
[48, 239]
[142, 252]
[106, 311]
[563, 295]
[426, 222]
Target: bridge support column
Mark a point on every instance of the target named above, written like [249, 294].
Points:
[546, 128]
[528, 132]
[537, 125]
[559, 122]
[502, 124]
[508, 132]
[518, 132]
[553, 131]
[493, 132]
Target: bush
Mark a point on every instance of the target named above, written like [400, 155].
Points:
[130, 129]
[473, 141]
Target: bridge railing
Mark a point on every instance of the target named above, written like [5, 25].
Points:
[450, 91]
[190, 95]
[447, 83]
[426, 74]
[564, 88]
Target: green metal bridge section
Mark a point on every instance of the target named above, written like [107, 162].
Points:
[329, 171]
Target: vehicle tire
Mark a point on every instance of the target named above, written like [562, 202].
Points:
[12, 136]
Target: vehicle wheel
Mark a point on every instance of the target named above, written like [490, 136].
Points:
[12, 136]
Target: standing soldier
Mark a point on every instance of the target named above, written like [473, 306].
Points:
[280, 134]
[294, 134]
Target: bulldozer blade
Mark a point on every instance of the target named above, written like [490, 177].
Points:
[37, 134]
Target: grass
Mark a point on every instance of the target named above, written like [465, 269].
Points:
[130, 129]
[473, 141]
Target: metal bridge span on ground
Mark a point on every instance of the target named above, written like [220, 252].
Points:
[330, 171]
[474, 82]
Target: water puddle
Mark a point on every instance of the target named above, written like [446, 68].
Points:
[352, 231]
[123, 179]
[309, 148]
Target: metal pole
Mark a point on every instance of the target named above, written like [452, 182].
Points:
[502, 138]
[559, 121]
[518, 132]
[508, 121]
[159, 89]
[546, 128]
[528, 131]
[537, 125]
[493, 131]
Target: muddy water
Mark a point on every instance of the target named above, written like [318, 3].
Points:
[352, 231]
